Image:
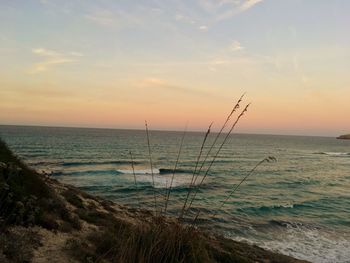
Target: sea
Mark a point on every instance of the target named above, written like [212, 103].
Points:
[297, 206]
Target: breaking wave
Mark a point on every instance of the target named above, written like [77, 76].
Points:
[334, 153]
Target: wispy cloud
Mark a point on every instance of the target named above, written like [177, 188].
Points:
[191, 22]
[51, 58]
[186, 19]
[224, 9]
[49, 91]
[117, 18]
[238, 7]
[203, 28]
[102, 17]
[247, 4]
[236, 46]
[299, 70]
[233, 57]
[157, 83]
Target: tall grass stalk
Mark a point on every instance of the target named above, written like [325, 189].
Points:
[151, 164]
[174, 171]
[133, 172]
[267, 159]
[234, 109]
[194, 171]
[216, 154]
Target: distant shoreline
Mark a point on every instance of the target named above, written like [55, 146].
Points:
[344, 137]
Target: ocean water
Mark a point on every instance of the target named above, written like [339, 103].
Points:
[298, 206]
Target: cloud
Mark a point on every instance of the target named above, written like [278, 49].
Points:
[76, 54]
[236, 46]
[117, 18]
[151, 83]
[192, 22]
[102, 18]
[223, 9]
[49, 91]
[45, 52]
[185, 19]
[51, 58]
[203, 28]
[159, 83]
[239, 7]
[247, 4]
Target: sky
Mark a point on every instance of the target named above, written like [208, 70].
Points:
[115, 64]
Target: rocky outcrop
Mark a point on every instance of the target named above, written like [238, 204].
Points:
[344, 137]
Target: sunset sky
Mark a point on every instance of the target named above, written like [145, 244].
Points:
[107, 63]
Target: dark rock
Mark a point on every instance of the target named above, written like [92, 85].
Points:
[344, 137]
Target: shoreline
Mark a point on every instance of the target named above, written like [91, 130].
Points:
[62, 223]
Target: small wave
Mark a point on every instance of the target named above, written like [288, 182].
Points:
[87, 172]
[289, 224]
[281, 206]
[83, 163]
[181, 180]
[42, 163]
[300, 182]
[34, 154]
[78, 163]
[139, 172]
[177, 171]
[163, 171]
[30, 151]
[334, 153]
[266, 209]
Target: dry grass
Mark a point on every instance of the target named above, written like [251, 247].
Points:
[117, 235]
[151, 242]
[216, 155]
[135, 181]
[151, 164]
[174, 171]
[26, 199]
[194, 171]
[228, 118]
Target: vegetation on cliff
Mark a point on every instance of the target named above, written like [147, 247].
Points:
[42, 220]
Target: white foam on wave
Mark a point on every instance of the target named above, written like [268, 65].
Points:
[335, 153]
[287, 205]
[314, 245]
[139, 171]
[161, 180]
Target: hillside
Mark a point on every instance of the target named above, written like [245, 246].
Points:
[43, 220]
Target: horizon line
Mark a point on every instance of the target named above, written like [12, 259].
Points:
[161, 130]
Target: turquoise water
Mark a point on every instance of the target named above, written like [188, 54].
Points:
[298, 206]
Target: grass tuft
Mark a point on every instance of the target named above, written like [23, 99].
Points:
[151, 164]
